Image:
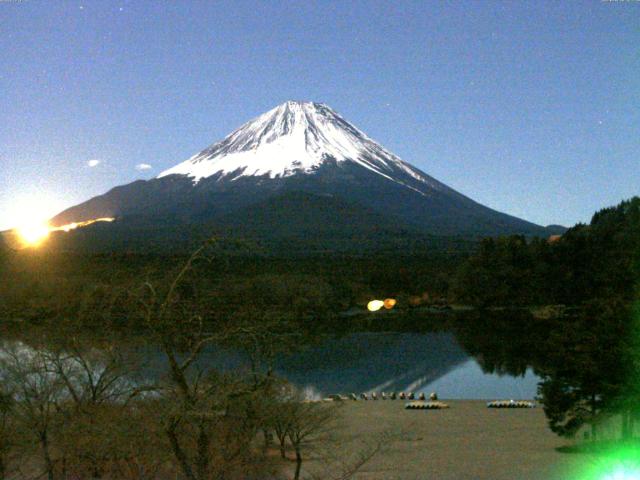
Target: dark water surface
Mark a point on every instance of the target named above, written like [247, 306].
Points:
[418, 362]
[368, 362]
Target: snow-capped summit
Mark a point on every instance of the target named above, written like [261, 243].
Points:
[294, 137]
[298, 171]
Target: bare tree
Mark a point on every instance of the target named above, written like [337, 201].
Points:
[309, 427]
[205, 427]
[98, 385]
[93, 376]
[7, 430]
[307, 422]
[278, 413]
[117, 441]
[69, 402]
[39, 398]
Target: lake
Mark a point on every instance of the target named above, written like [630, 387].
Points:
[376, 362]
[370, 362]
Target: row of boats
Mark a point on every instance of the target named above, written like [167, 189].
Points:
[385, 396]
[420, 402]
[511, 404]
[421, 405]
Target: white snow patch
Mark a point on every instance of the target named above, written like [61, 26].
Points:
[294, 138]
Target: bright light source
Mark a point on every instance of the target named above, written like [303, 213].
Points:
[389, 303]
[29, 215]
[623, 473]
[33, 234]
[375, 305]
[619, 461]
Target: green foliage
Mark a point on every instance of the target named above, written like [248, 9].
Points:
[585, 374]
[589, 357]
[600, 260]
[497, 274]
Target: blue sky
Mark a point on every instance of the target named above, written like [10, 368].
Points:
[532, 108]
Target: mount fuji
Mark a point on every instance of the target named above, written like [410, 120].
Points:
[299, 171]
[296, 138]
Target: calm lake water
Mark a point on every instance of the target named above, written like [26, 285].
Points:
[368, 362]
[373, 362]
[365, 362]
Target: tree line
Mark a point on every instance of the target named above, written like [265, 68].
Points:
[587, 347]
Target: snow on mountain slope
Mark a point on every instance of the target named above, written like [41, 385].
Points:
[294, 138]
[306, 149]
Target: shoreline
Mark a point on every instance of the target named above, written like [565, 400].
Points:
[466, 441]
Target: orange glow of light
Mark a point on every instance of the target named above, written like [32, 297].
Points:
[33, 234]
[375, 305]
[72, 226]
[389, 303]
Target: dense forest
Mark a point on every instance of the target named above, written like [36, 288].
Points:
[47, 286]
[599, 260]
[586, 347]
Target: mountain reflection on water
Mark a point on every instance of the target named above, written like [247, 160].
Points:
[418, 362]
[366, 362]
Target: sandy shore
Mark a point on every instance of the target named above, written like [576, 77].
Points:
[466, 441]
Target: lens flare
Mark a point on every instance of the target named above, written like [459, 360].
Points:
[619, 461]
[375, 305]
[623, 473]
[33, 234]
